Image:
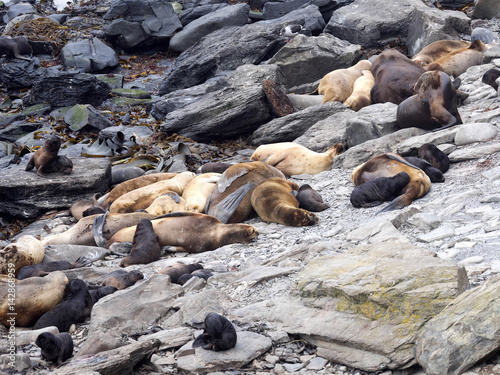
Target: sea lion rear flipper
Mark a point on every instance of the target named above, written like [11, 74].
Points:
[202, 340]
[226, 207]
[397, 203]
[97, 229]
[82, 261]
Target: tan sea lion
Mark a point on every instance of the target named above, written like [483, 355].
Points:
[274, 201]
[33, 298]
[192, 232]
[388, 165]
[360, 96]
[45, 159]
[27, 250]
[145, 245]
[292, 158]
[122, 279]
[337, 85]
[166, 204]
[142, 197]
[198, 190]
[438, 49]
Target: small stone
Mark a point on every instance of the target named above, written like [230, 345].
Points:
[437, 234]
[272, 359]
[465, 245]
[492, 174]
[292, 367]
[472, 260]
[278, 336]
[317, 363]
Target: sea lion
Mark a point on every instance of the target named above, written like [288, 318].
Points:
[437, 158]
[490, 77]
[202, 274]
[375, 192]
[86, 207]
[122, 279]
[33, 298]
[192, 232]
[122, 174]
[274, 202]
[395, 76]
[198, 190]
[74, 308]
[142, 197]
[45, 159]
[458, 61]
[310, 200]
[213, 167]
[435, 175]
[388, 165]
[230, 198]
[43, 269]
[438, 49]
[167, 203]
[337, 85]
[145, 245]
[485, 35]
[218, 334]
[292, 158]
[361, 90]
[175, 271]
[55, 348]
[434, 105]
[27, 250]
[100, 292]
[11, 47]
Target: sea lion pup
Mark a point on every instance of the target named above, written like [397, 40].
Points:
[360, 96]
[198, 190]
[434, 105]
[438, 49]
[230, 198]
[192, 232]
[458, 61]
[86, 207]
[34, 297]
[388, 165]
[167, 203]
[122, 279]
[10, 47]
[43, 269]
[74, 308]
[437, 158]
[337, 85]
[213, 167]
[435, 175]
[45, 159]
[377, 191]
[27, 250]
[292, 158]
[395, 75]
[144, 196]
[201, 274]
[490, 77]
[100, 292]
[55, 348]
[274, 202]
[218, 334]
[177, 270]
[145, 245]
[310, 200]
[135, 183]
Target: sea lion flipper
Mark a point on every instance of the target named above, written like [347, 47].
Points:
[31, 164]
[202, 340]
[97, 229]
[226, 180]
[173, 195]
[226, 207]
[397, 203]
[401, 160]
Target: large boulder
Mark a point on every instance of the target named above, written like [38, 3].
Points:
[18, 74]
[89, 55]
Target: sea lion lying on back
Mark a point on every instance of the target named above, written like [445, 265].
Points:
[45, 159]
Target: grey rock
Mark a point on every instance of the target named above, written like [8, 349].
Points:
[486, 9]
[491, 54]
[25, 337]
[85, 115]
[254, 275]
[425, 221]
[492, 174]
[16, 73]
[437, 234]
[72, 252]
[189, 15]
[100, 342]
[475, 153]
[171, 338]
[478, 132]
[88, 55]
[18, 10]
[412, 144]
[317, 363]
[21, 361]
[276, 9]
[300, 102]
[93, 275]
[376, 231]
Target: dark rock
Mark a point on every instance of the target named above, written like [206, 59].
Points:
[277, 99]
[85, 115]
[189, 15]
[453, 4]
[18, 74]
[89, 55]
[18, 10]
[486, 9]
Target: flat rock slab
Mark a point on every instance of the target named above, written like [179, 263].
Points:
[249, 345]
[26, 195]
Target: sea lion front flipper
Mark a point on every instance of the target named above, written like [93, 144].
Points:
[202, 341]
[97, 229]
[397, 203]
[401, 160]
[226, 180]
[226, 207]
[31, 163]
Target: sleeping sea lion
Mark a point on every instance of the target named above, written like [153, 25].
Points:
[45, 159]
[310, 200]
[375, 192]
[198, 190]
[438, 49]
[213, 167]
[274, 201]
[435, 175]
[27, 250]
[218, 334]
[122, 279]
[437, 158]
[100, 292]
[145, 245]
[55, 348]
[175, 271]
[202, 274]
[166, 204]
[361, 90]
[43, 269]
[292, 158]
[86, 207]
[388, 165]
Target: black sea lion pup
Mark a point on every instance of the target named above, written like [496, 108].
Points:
[490, 76]
[100, 292]
[437, 158]
[55, 348]
[310, 200]
[74, 308]
[382, 189]
[45, 159]
[122, 279]
[434, 174]
[219, 334]
[202, 274]
[175, 271]
[145, 245]
[43, 269]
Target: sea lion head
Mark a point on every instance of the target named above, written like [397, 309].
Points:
[52, 143]
[49, 344]
[134, 276]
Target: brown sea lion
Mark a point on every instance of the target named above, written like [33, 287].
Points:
[218, 334]
[230, 198]
[438, 49]
[337, 85]
[11, 47]
[292, 158]
[177, 270]
[437, 158]
[435, 175]
[27, 250]
[122, 279]
[192, 232]
[458, 61]
[274, 202]
[198, 190]
[375, 192]
[33, 298]
[388, 165]
[86, 207]
[55, 348]
[434, 105]
[166, 204]
[310, 200]
[43, 269]
[141, 198]
[45, 159]
[490, 77]
[202, 274]
[361, 90]
[145, 245]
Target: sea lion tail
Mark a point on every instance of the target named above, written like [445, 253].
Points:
[97, 229]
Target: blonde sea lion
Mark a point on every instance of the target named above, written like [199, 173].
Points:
[27, 250]
[293, 159]
[360, 96]
[192, 232]
[438, 49]
[198, 190]
[142, 197]
[166, 204]
[145, 245]
[274, 201]
[337, 85]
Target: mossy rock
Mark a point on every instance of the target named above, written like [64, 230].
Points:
[132, 93]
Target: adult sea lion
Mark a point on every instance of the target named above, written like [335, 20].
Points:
[145, 245]
[192, 232]
[43, 269]
[435, 175]
[122, 279]
[167, 203]
[27, 250]
[375, 192]
[310, 200]
[437, 158]
[438, 49]
[292, 158]
[218, 334]
[198, 190]
[55, 348]
[274, 201]
[45, 159]
[175, 271]
[361, 90]
[490, 77]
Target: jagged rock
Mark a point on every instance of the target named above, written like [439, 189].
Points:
[171, 338]
[85, 115]
[254, 275]
[24, 194]
[473, 153]
[17, 74]
[376, 231]
[486, 9]
[236, 15]
[464, 333]
[308, 58]
[470, 133]
[88, 55]
[18, 129]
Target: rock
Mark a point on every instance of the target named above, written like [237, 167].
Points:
[236, 15]
[301, 102]
[377, 231]
[24, 194]
[491, 54]
[100, 342]
[425, 221]
[437, 234]
[171, 338]
[24, 337]
[412, 144]
[85, 116]
[72, 252]
[18, 10]
[486, 9]
[131, 93]
[88, 55]
[464, 333]
[17, 74]
[474, 153]
[470, 133]
[16, 362]
[190, 14]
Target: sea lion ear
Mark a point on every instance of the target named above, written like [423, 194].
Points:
[462, 95]
[457, 82]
